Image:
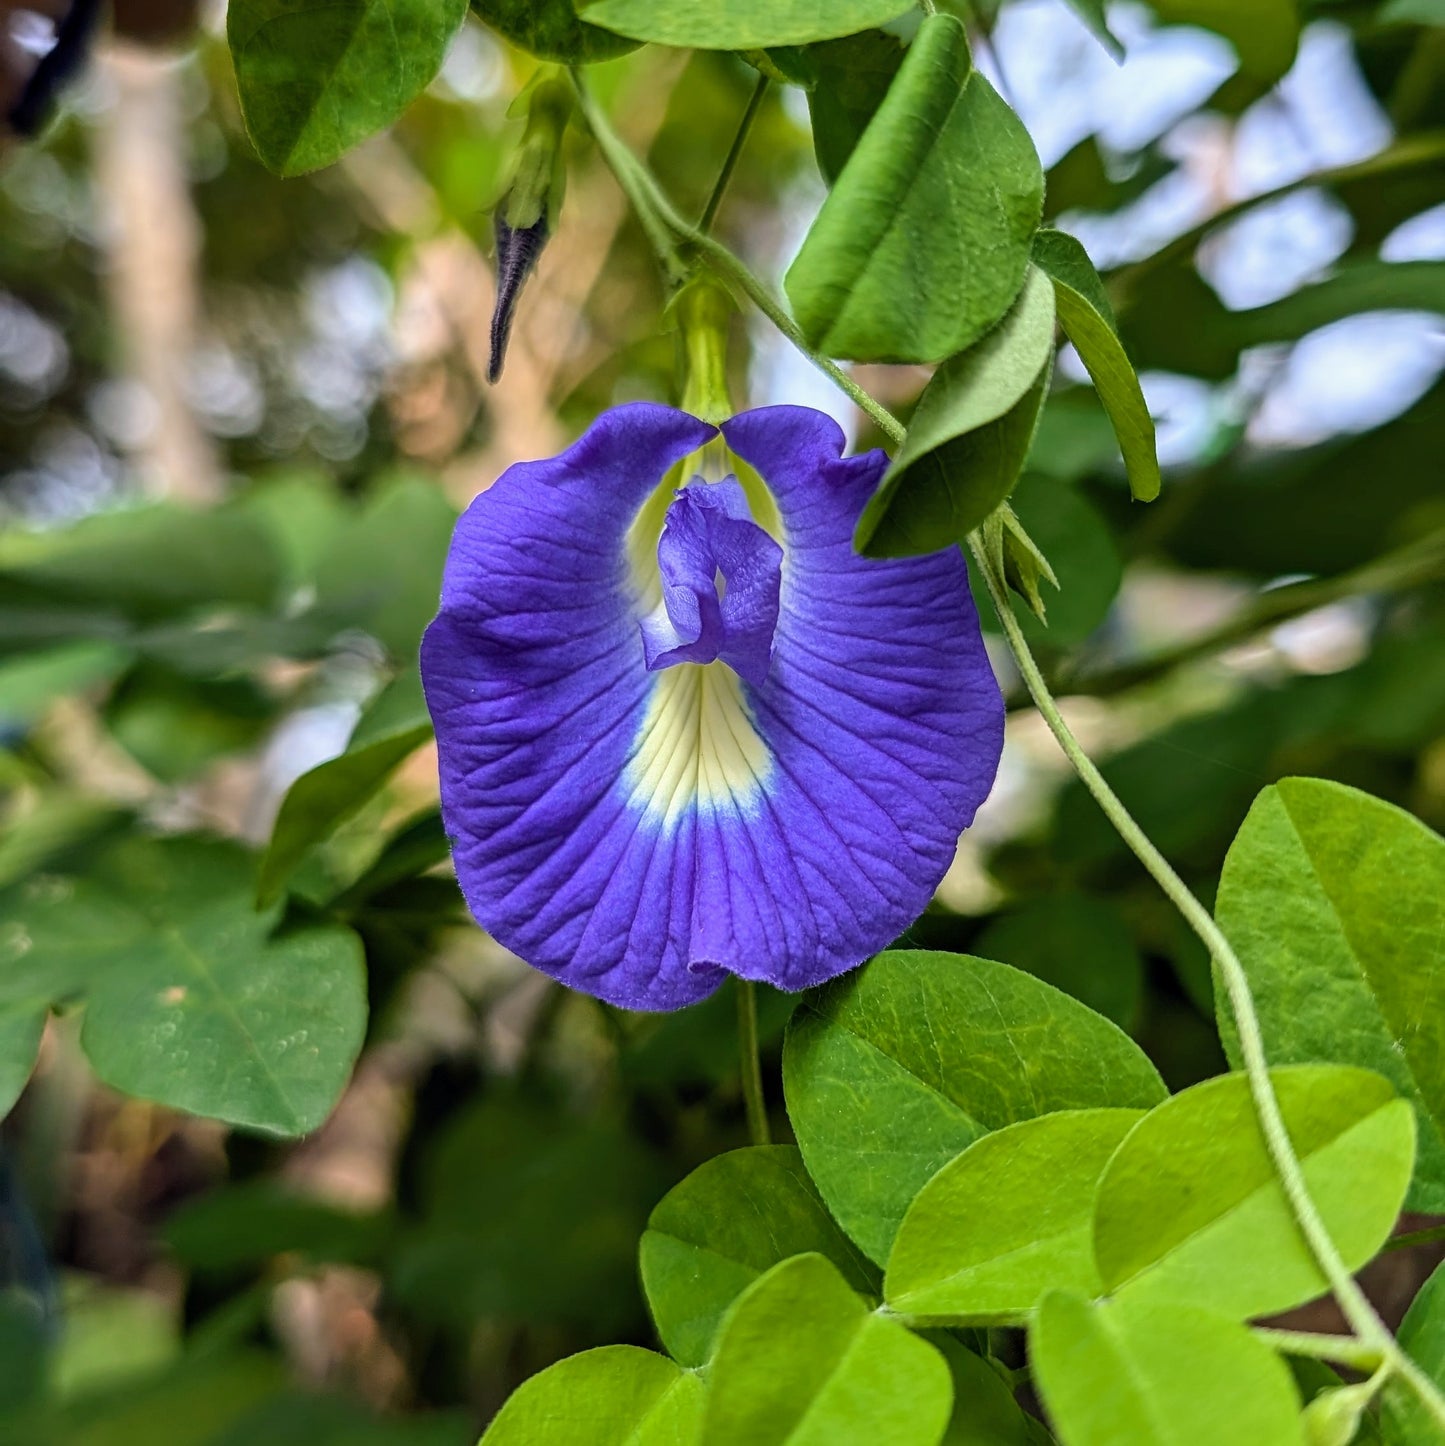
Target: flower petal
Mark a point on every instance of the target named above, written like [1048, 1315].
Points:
[536, 683]
[637, 833]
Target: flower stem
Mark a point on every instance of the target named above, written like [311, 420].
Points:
[1345, 1350]
[719, 188]
[752, 1065]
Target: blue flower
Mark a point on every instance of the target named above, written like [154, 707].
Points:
[683, 733]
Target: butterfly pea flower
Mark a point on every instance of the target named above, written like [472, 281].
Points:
[684, 730]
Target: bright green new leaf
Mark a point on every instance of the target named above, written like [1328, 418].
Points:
[969, 436]
[801, 1361]
[1134, 1373]
[1190, 1208]
[894, 1069]
[1264, 33]
[320, 801]
[1077, 943]
[1335, 902]
[552, 29]
[1088, 322]
[731, 1220]
[1006, 1222]
[317, 77]
[923, 242]
[1405, 1421]
[614, 1396]
[739, 24]
[193, 999]
[21, 1025]
[852, 78]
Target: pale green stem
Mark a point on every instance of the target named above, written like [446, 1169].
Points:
[752, 1066]
[1367, 1325]
[1343, 1350]
[729, 165]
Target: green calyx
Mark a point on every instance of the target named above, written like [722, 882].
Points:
[704, 312]
[538, 176]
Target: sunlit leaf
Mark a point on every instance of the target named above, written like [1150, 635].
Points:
[731, 1220]
[1335, 902]
[1191, 1210]
[893, 1070]
[801, 1359]
[552, 30]
[1007, 1221]
[1131, 1373]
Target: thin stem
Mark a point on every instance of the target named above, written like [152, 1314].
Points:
[1345, 1350]
[752, 1065]
[1361, 1315]
[637, 185]
[730, 161]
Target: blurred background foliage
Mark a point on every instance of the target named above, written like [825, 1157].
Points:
[237, 418]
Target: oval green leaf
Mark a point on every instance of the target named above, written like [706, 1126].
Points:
[614, 1396]
[1335, 902]
[852, 77]
[1190, 1208]
[1088, 322]
[923, 242]
[193, 999]
[969, 436]
[1006, 1222]
[1129, 1373]
[552, 30]
[21, 1026]
[317, 77]
[740, 24]
[893, 1070]
[729, 1222]
[800, 1359]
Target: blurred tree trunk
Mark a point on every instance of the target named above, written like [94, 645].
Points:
[154, 241]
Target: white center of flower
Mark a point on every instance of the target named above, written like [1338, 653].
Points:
[697, 746]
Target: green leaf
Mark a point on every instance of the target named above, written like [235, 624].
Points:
[1264, 33]
[740, 24]
[320, 801]
[800, 1359]
[1335, 902]
[317, 77]
[893, 1070]
[969, 436]
[1135, 1373]
[1405, 1422]
[1088, 322]
[1190, 1208]
[852, 78]
[615, 1396]
[552, 30]
[21, 1026]
[1077, 943]
[193, 999]
[1007, 1221]
[923, 242]
[730, 1221]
